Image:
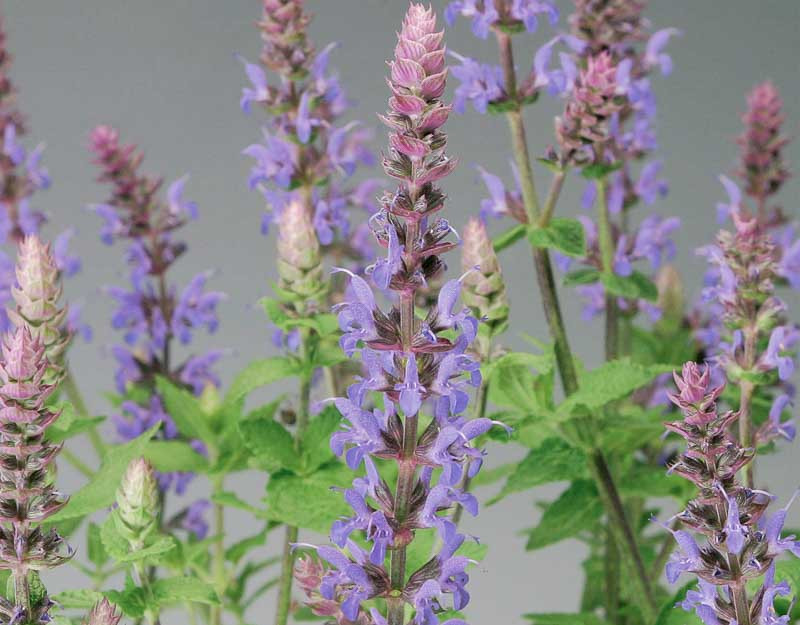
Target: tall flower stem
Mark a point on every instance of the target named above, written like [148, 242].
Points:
[746, 390]
[598, 465]
[552, 198]
[219, 551]
[606, 243]
[291, 534]
[75, 396]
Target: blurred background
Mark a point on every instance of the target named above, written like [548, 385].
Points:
[164, 72]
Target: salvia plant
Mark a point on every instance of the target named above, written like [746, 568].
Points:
[390, 374]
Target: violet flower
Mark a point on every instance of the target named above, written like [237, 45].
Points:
[308, 153]
[412, 365]
[739, 542]
[152, 313]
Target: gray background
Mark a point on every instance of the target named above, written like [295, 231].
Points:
[164, 72]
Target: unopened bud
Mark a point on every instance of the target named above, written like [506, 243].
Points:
[299, 261]
[671, 299]
[37, 302]
[484, 290]
[103, 613]
[138, 503]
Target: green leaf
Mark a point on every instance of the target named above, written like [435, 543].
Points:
[96, 552]
[554, 461]
[315, 444]
[672, 615]
[174, 590]
[119, 548]
[577, 509]
[562, 234]
[69, 424]
[582, 276]
[635, 286]
[581, 618]
[261, 373]
[269, 442]
[512, 385]
[489, 476]
[509, 237]
[323, 323]
[599, 170]
[241, 548]
[78, 599]
[231, 500]
[186, 410]
[611, 381]
[169, 456]
[131, 600]
[308, 501]
[100, 492]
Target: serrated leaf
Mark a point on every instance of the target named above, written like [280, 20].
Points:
[315, 444]
[561, 234]
[323, 323]
[119, 548]
[69, 423]
[231, 500]
[577, 509]
[94, 546]
[99, 493]
[511, 383]
[269, 442]
[170, 456]
[261, 373]
[509, 237]
[554, 461]
[186, 411]
[131, 601]
[174, 590]
[581, 276]
[599, 170]
[611, 381]
[239, 549]
[309, 501]
[635, 286]
[78, 599]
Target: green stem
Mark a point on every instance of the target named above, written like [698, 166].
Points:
[152, 615]
[287, 562]
[612, 577]
[566, 364]
[605, 239]
[741, 605]
[220, 574]
[552, 198]
[22, 591]
[481, 401]
[746, 390]
[76, 399]
[76, 462]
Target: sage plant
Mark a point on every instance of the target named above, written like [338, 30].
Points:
[410, 363]
[152, 314]
[739, 542]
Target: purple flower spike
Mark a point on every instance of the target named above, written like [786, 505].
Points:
[411, 360]
[481, 84]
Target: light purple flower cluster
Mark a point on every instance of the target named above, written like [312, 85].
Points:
[507, 14]
[152, 314]
[307, 153]
[748, 315]
[21, 175]
[483, 84]
[609, 120]
[740, 542]
[411, 364]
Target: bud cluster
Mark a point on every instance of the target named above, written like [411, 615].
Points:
[609, 25]
[138, 503]
[299, 262]
[762, 166]
[484, 290]
[739, 543]
[411, 362]
[27, 493]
